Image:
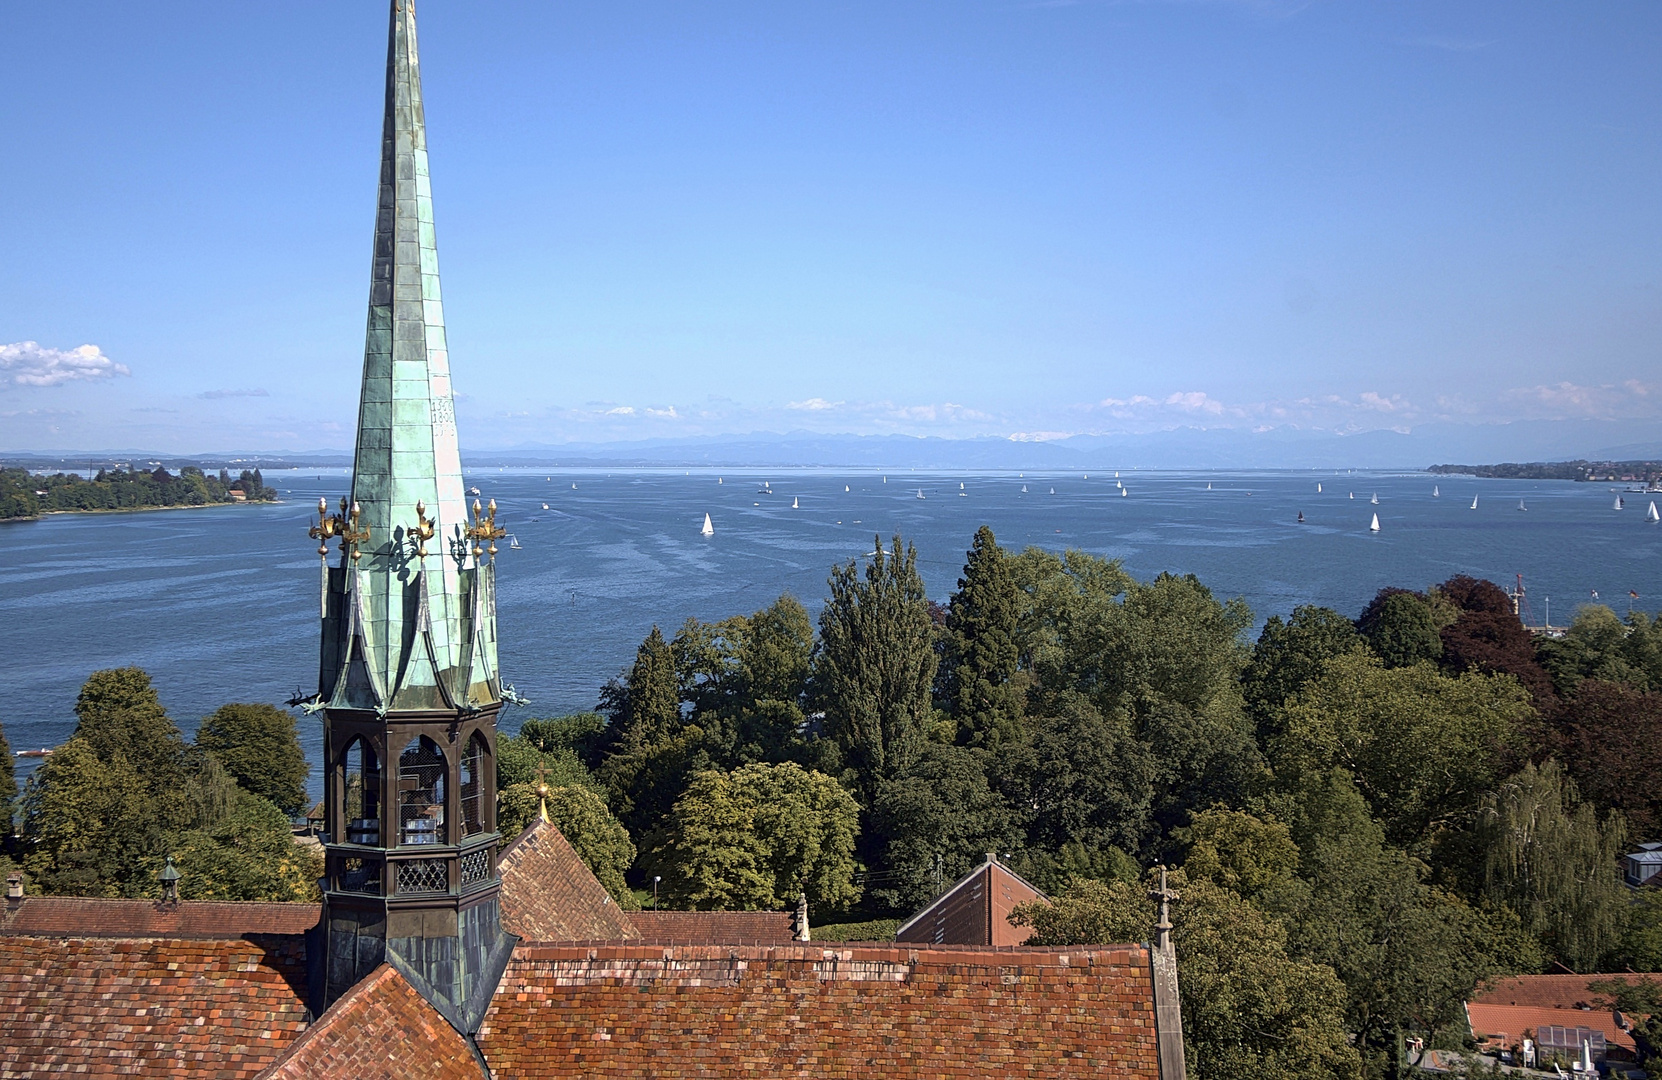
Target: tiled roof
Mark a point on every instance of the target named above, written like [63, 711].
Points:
[73, 916]
[805, 1010]
[975, 911]
[1509, 1024]
[221, 1009]
[381, 1029]
[548, 894]
[715, 927]
[1549, 991]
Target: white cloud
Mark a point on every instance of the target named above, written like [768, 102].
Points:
[28, 363]
[621, 410]
[814, 404]
[1567, 400]
[664, 414]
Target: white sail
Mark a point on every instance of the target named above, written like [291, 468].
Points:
[1521, 506]
[1618, 505]
[960, 485]
[920, 493]
[1124, 491]
[1318, 487]
[1436, 492]
[1053, 491]
[718, 479]
[1375, 526]
[1651, 515]
[1474, 502]
[1024, 489]
[708, 529]
[545, 506]
[1208, 485]
[845, 487]
[794, 504]
[1375, 499]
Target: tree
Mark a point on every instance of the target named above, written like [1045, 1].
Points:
[583, 734]
[249, 855]
[518, 759]
[876, 664]
[88, 824]
[1288, 655]
[1402, 628]
[8, 781]
[981, 653]
[119, 715]
[934, 822]
[1423, 747]
[580, 814]
[1640, 948]
[1607, 735]
[260, 748]
[1235, 850]
[653, 751]
[1249, 1009]
[1554, 863]
[754, 838]
[1409, 954]
[1487, 635]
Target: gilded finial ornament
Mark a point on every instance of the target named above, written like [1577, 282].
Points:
[423, 530]
[353, 535]
[327, 528]
[484, 527]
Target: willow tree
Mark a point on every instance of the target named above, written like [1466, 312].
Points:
[1554, 863]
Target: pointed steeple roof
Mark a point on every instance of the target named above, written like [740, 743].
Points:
[413, 630]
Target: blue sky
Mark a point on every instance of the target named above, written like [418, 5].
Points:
[964, 218]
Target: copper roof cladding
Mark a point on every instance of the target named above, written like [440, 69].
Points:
[381, 1029]
[549, 894]
[74, 916]
[975, 911]
[723, 1011]
[715, 927]
[200, 1008]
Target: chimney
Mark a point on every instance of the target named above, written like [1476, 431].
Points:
[14, 886]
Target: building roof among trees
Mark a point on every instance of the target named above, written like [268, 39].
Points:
[1550, 991]
[160, 1007]
[975, 911]
[76, 916]
[381, 1029]
[548, 894]
[715, 927]
[724, 1011]
[1508, 1025]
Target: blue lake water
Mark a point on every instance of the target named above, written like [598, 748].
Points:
[219, 604]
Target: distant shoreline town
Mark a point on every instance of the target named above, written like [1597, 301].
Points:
[1648, 473]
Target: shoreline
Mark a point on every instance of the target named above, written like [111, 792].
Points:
[142, 509]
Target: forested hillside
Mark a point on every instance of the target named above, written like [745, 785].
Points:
[24, 494]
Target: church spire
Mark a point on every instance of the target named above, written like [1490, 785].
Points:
[416, 626]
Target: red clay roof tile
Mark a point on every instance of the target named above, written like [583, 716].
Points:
[715, 927]
[74, 916]
[381, 1029]
[549, 894]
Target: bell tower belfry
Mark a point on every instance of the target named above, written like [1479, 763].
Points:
[407, 681]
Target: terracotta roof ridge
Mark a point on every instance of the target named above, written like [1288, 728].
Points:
[320, 1026]
[536, 825]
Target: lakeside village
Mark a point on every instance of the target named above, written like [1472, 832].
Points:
[1065, 824]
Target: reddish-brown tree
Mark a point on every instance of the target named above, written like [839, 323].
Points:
[1607, 735]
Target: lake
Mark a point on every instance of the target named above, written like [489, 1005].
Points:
[219, 604]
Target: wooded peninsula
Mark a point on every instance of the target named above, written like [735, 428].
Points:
[24, 494]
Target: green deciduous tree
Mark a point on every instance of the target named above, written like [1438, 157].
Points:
[1402, 628]
[1249, 1008]
[260, 747]
[1240, 852]
[979, 676]
[1423, 746]
[1553, 862]
[1288, 655]
[756, 837]
[934, 822]
[876, 665]
[652, 750]
[580, 814]
[1594, 647]
[249, 854]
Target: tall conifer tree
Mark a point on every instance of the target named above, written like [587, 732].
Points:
[981, 646]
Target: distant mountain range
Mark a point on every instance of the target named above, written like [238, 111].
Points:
[1179, 448]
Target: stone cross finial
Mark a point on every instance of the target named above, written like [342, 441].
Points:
[1165, 895]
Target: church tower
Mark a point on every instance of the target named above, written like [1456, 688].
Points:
[407, 681]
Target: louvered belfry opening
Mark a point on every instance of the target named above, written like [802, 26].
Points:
[408, 684]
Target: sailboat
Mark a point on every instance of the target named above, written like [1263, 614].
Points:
[1053, 491]
[1353, 494]
[1301, 517]
[920, 493]
[1208, 485]
[513, 542]
[1375, 499]
[1474, 502]
[574, 487]
[708, 529]
[545, 506]
[1618, 505]
[1375, 526]
[1024, 489]
[845, 487]
[1521, 506]
[794, 504]
[1123, 491]
[962, 494]
[1086, 475]
[1651, 515]
[718, 479]
[1318, 487]
[1436, 492]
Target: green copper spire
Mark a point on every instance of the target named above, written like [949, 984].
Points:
[415, 625]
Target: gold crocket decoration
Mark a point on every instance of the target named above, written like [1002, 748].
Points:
[484, 527]
[353, 534]
[345, 525]
[327, 528]
[423, 530]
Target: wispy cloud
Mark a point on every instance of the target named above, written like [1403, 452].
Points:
[1566, 400]
[217, 395]
[28, 363]
[814, 404]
